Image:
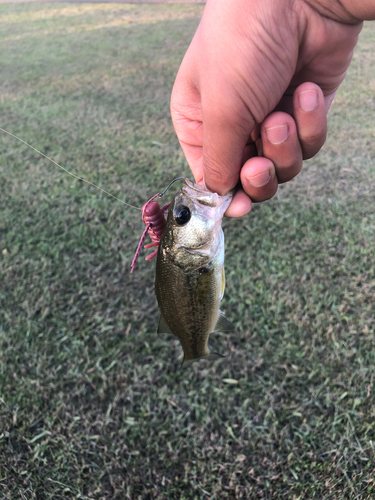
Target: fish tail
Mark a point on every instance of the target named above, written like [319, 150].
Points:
[211, 356]
[215, 355]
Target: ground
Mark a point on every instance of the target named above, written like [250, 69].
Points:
[93, 404]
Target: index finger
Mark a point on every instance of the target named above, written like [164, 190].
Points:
[226, 131]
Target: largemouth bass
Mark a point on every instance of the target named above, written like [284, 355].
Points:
[190, 277]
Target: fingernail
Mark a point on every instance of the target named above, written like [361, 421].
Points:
[260, 180]
[277, 135]
[308, 100]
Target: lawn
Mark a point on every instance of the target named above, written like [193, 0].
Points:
[93, 404]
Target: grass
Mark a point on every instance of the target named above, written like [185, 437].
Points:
[92, 403]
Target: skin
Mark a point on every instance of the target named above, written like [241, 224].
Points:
[250, 99]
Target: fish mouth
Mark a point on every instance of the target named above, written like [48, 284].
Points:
[215, 203]
[196, 187]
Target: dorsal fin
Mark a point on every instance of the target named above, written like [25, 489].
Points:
[223, 324]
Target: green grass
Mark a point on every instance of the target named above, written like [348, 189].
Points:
[93, 403]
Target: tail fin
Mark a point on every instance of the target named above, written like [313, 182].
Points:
[215, 355]
[211, 356]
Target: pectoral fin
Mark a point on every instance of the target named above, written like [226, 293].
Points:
[223, 324]
[163, 326]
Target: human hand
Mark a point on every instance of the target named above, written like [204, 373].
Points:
[251, 96]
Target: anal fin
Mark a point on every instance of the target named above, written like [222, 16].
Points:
[163, 326]
[223, 324]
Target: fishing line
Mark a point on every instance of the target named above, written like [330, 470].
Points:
[71, 173]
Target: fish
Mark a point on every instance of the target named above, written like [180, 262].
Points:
[190, 277]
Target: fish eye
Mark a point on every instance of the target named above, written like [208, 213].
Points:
[182, 215]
